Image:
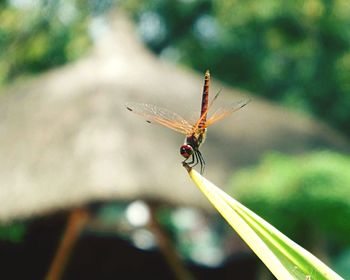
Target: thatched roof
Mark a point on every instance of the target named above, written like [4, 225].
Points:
[67, 139]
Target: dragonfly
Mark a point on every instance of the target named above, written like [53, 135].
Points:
[195, 132]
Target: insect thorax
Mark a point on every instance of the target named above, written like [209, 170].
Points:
[196, 139]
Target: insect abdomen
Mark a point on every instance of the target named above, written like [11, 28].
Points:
[205, 97]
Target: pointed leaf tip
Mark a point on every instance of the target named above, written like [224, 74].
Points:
[283, 257]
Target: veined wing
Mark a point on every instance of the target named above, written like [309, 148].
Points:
[161, 116]
[224, 112]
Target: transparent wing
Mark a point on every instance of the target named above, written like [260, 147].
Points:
[161, 116]
[224, 112]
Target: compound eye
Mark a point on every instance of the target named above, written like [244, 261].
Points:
[186, 151]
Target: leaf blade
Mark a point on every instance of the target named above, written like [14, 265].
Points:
[283, 257]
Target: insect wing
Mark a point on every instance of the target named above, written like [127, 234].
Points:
[161, 116]
[224, 112]
[204, 114]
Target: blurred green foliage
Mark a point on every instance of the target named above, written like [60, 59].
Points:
[38, 35]
[305, 197]
[13, 232]
[294, 52]
[342, 264]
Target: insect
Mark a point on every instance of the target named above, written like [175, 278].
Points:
[195, 133]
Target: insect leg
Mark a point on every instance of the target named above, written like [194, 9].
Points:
[201, 161]
[195, 159]
[191, 162]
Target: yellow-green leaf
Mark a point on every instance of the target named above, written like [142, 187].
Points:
[283, 257]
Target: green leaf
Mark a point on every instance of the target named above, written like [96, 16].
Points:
[283, 257]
